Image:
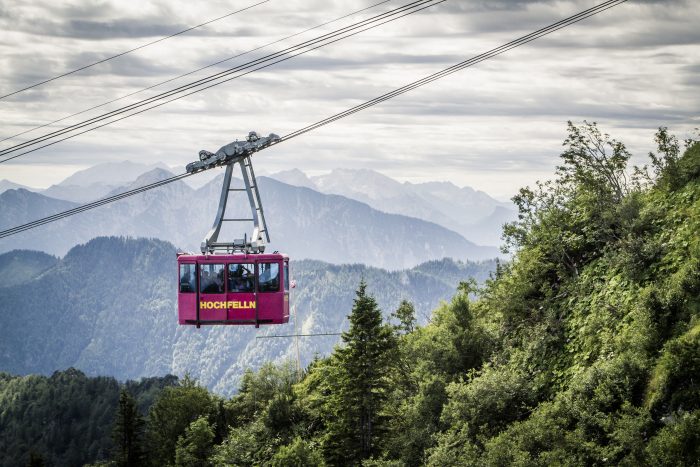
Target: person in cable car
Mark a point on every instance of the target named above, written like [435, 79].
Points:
[241, 279]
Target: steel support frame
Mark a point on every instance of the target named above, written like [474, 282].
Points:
[260, 235]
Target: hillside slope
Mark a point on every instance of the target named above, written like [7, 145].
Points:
[582, 351]
[109, 308]
[595, 325]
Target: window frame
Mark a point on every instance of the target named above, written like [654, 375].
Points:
[194, 266]
[257, 274]
[202, 269]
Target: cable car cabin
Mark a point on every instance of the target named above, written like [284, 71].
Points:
[233, 289]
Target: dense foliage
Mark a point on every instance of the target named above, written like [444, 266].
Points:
[583, 350]
[67, 418]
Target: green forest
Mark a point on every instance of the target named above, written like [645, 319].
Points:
[584, 349]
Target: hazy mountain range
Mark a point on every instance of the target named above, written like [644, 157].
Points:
[303, 222]
[109, 308]
[474, 214]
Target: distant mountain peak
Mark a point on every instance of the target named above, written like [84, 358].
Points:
[10, 185]
[110, 173]
[152, 176]
[294, 177]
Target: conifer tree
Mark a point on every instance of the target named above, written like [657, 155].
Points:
[355, 430]
[406, 315]
[128, 433]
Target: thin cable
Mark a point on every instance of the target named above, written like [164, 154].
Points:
[92, 205]
[321, 41]
[302, 335]
[490, 54]
[460, 66]
[205, 80]
[132, 50]
[194, 71]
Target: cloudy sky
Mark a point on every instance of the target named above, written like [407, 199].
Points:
[496, 126]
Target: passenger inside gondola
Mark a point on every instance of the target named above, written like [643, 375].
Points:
[241, 277]
[212, 278]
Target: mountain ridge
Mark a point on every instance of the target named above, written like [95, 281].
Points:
[464, 210]
[303, 222]
[108, 307]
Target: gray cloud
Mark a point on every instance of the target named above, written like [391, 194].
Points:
[131, 28]
[501, 121]
[127, 66]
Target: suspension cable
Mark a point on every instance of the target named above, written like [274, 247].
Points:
[193, 71]
[257, 64]
[459, 66]
[428, 79]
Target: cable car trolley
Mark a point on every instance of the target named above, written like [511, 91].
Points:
[235, 282]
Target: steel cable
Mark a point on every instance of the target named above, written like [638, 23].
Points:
[428, 79]
[193, 71]
[318, 42]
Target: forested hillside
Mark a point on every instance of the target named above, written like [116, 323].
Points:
[581, 351]
[19, 266]
[109, 308]
[65, 419]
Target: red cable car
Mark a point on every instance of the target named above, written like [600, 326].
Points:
[233, 289]
[234, 282]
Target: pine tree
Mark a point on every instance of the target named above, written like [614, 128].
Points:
[354, 433]
[128, 433]
[406, 315]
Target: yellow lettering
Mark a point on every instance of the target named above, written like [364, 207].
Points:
[218, 305]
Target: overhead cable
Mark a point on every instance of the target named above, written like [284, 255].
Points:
[132, 50]
[301, 335]
[447, 71]
[222, 77]
[193, 71]
[459, 66]
[92, 205]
